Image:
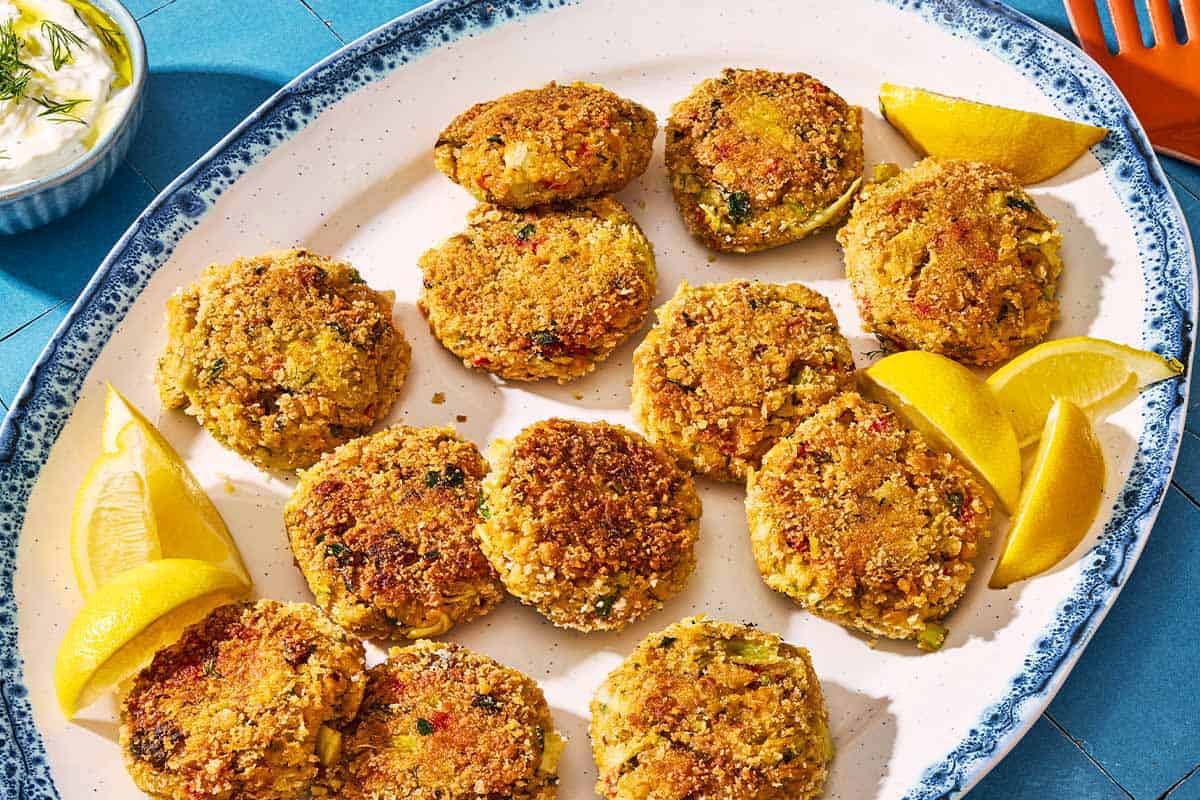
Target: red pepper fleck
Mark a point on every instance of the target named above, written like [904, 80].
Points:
[966, 513]
[924, 309]
[797, 542]
[482, 181]
[880, 425]
[481, 361]
[440, 720]
[584, 150]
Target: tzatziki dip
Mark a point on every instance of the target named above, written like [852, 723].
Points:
[64, 81]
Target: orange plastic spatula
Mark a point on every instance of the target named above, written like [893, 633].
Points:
[1161, 82]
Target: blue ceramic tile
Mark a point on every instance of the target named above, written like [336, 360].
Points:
[1188, 790]
[43, 267]
[1133, 696]
[206, 77]
[352, 18]
[1187, 470]
[1045, 764]
[21, 349]
[140, 8]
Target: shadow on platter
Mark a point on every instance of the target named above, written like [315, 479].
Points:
[865, 726]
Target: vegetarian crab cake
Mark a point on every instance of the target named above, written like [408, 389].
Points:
[715, 710]
[588, 522]
[282, 357]
[545, 293]
[440, 722]
[759, 159]
[247, 704]
[858, 520]
[547, 145]
[732, 367]
[383, 530]
[955, 258]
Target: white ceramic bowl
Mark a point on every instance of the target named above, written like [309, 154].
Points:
[36, 203]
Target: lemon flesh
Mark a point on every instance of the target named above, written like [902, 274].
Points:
[953, 408]
[1094, 374]
[1060, 501]
[128, 619]
[1032, 146]
[139, 502]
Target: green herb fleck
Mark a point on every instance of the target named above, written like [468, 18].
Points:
[424, 726]
[525, 231]
[481, 505]
[495, 138]
[432, 555]
[215, 370]
[739, 207]
[355, 277]
[545, 338]
[210, 667]
[61, 41]
[932, 637]
[955, 499]
[451, 476]
[604, 605]
[338, 551]
[668, 642]
[487, 702]
[1012, 201]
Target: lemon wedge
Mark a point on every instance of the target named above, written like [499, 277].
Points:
[128, 619]
[1060, 500]
[1032, 146]
[954, 409]
[1094, 374]
[140, 502]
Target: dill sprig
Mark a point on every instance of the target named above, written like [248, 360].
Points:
[61, 40]
[110, 37]
[59, 110]
[14, 73]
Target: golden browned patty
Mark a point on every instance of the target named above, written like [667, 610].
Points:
[588, 522]
[544, 293]
[858, 520]
[547, 145]
[759, 159]
[709, 709]
[247, 705]
[440, 722]
[282, 357]
[732, 367]
[955, 258]
[383, 530]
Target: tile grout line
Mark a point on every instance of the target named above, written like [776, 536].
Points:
[29, 322]
[1186, 495]
[1182, 183]
[328, 25]
[1186, 777]
[157, 8]
[1079, 746]
[149, 184]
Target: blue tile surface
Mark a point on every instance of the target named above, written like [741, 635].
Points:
[352, 19]
[205, 77]
[39, 269]
[1045, 764]
[1134, 696]
[1133, 703]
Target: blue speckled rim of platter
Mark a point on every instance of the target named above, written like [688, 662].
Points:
[1069, 78]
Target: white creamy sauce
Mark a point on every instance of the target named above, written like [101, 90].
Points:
[34, 141]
